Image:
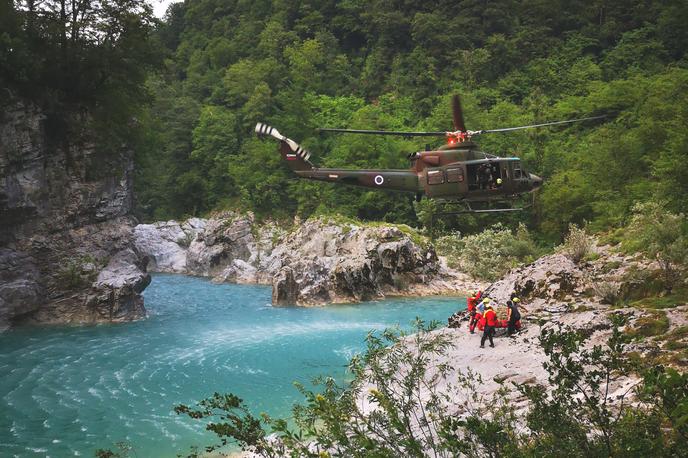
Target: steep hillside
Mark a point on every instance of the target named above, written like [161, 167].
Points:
[393, 65]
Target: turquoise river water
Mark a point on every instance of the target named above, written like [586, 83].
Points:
[66, 391]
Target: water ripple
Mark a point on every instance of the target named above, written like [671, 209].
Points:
[65, 391]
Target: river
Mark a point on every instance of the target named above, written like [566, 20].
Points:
[68, 390]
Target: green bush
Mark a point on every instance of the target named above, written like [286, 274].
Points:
[76, 274]
[489, 254]
[578, 245]
[653, 324]
[661, 236]
[608, 291]
[412, 417]
[662, 302]
[641, 283]
[612, 265]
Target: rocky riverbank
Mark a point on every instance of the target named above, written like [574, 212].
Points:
[66, 238]
[587, 297]
[605, 290]
[314, 262]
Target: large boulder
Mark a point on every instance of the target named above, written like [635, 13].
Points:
[86, 270]
[553, 280]
[347, 263]
[116, 293]
[225, 238]
[164, 244]
[284, 289]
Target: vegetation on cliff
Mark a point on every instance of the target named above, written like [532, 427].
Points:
[393, 65]
[84, 64]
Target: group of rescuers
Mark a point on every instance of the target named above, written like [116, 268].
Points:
[483, 316]
[488, 177]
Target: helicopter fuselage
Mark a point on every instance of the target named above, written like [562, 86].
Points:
[456, 174]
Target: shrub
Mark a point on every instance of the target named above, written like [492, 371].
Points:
[577, 244]
[489, 254]
[639, 283]
[451, 246]
[612, 265]
[124, 450]
[608, 291]
[661, 302]
[660, 235]
[413, 418]
[653, 324]
[76, 274]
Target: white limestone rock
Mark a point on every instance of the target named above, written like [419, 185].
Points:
[551, 281]
[116, 291]
[164, 244]
[317, 262]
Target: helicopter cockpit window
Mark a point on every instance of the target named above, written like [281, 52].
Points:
[435, 177]
[454, 175]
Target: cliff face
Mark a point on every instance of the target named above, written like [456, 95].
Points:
[315, 262]
[66, 250]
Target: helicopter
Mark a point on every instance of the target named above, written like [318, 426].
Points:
[455, 173]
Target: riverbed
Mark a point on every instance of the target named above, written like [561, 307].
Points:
[68, 390]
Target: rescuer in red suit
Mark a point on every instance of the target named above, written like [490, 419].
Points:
[490, 323]
[471, 302]
[475, 316]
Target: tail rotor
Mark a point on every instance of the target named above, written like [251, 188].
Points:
[295, 155]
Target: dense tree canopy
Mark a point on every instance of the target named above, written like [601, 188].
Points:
[84, 62]
[76, 51]
[376, 64]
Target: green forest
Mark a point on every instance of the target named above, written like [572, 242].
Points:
[196, 82]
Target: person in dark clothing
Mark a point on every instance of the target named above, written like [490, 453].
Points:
[484, 176]
[514, 314]
[490, 323]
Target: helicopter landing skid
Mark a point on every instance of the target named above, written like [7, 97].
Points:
[469, 209]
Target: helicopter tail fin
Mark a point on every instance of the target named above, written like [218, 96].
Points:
[292, 152]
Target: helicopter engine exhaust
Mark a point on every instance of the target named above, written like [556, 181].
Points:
[264, 130]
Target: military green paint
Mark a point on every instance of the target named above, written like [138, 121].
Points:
[444, 165]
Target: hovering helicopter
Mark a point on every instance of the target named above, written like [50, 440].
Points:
[455, 173]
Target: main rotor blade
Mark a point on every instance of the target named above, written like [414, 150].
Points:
[386, 132]
[457, 114]
[508, 129]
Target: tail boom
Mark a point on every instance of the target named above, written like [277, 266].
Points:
[297, 159]
[393, 180]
